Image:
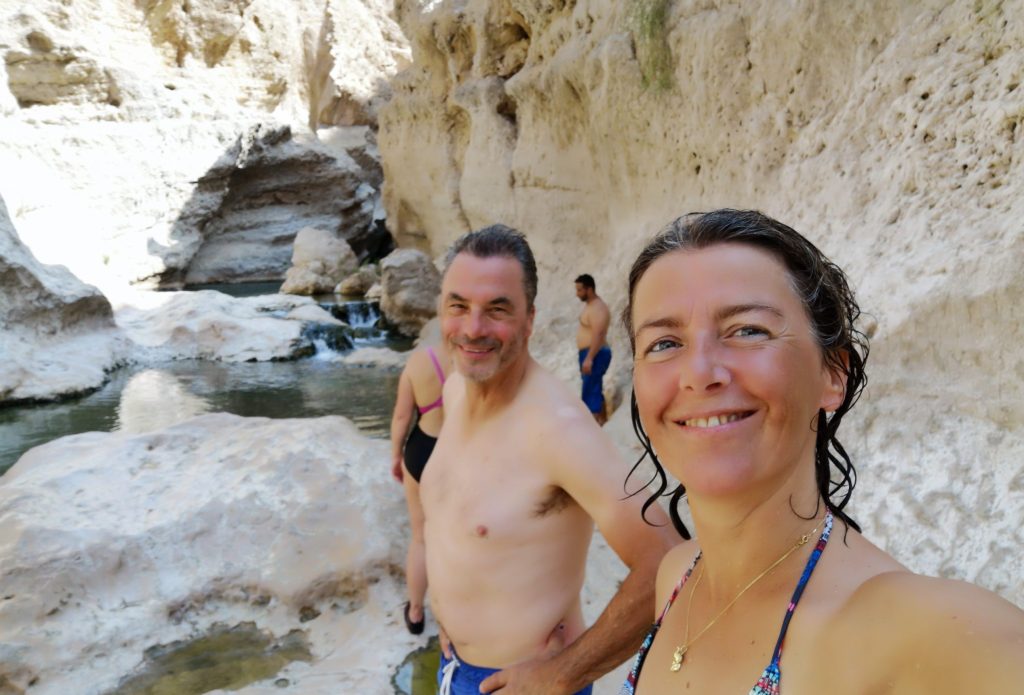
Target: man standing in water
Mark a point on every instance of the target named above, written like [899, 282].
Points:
[595, 355]
[518, 477]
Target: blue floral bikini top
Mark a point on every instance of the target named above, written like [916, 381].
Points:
[768, 683]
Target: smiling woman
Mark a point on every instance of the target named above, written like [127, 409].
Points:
[746, 359]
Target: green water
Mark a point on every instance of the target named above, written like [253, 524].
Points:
[151, 397]
[225, 658]
[138, 399]
[417, 675]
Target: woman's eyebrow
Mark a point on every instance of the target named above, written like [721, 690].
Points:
[728, 312]
[664, 322]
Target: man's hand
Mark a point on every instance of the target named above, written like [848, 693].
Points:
[528, 678]
[534, 676]
[397, 471]
[588, 365]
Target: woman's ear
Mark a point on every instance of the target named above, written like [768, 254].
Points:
[836, 367]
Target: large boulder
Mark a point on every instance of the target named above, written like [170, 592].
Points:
[215, 326]
[114, 543]
[359, 282]
[57, 334]
[320, 260]
[410, 284]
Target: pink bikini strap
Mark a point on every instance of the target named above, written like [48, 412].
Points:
[437, 365]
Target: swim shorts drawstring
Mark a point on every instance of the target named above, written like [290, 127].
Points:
[447, 674]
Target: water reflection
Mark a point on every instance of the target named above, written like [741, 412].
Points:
[137, 399]
[155, 399]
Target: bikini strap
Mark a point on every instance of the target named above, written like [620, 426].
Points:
[679, 586]
[437, 364]
[812, 562]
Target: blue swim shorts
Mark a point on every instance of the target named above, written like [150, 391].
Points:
[593, 390]
[456, 677]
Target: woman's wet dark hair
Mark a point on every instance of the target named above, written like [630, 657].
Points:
[833, 312]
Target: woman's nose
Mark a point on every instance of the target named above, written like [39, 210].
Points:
[701, 367]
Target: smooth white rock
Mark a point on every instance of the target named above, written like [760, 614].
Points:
[211, 325]
[113, 542]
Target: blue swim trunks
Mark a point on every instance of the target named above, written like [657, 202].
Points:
[456, 677]
[593, 391]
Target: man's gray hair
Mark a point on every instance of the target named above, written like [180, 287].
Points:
[503, 241]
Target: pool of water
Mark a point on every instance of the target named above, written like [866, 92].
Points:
[223, 659]
[417, 675]
[146, 398]
[142, 398]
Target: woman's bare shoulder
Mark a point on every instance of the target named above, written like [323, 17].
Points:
[671, 570]
[924, 633]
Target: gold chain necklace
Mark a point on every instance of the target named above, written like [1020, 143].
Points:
[680, 652]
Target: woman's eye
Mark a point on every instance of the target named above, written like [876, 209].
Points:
[661, 345]
[749, 331]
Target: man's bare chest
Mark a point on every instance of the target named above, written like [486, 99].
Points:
[489, 492]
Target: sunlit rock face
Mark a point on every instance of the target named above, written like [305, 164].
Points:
[888, 133]
[189, 142]
[113, 543]
[57, 334]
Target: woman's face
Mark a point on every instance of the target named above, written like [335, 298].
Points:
[728, 375]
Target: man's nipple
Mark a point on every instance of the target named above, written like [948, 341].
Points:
[481, 531]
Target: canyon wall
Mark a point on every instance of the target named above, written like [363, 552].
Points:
[163, 142]
[888, 133]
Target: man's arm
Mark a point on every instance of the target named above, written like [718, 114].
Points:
[599, 320]
[588, 467]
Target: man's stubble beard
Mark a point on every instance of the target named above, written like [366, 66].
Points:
[506, 355]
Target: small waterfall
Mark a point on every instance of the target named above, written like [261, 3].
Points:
[364, 320]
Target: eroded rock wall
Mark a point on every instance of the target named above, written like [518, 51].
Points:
[889, 133]
[176, 142]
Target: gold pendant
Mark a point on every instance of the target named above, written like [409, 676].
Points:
[677, 658]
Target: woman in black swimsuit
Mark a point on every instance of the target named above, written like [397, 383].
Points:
[415, 424]
[746, 359]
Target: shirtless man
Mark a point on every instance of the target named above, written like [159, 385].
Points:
[595, 355]
[519, 476]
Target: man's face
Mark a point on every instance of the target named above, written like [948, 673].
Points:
[582, 292]
[484, 316]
